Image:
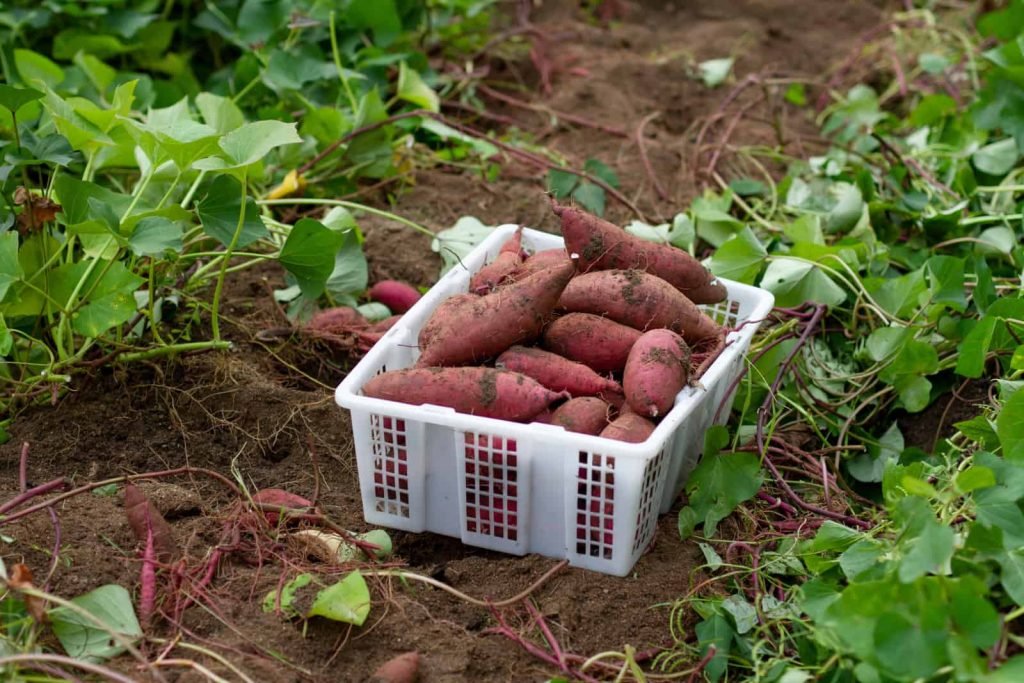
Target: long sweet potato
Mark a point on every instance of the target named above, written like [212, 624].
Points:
[629, 427]
[477, 391]
[477, 330]
[501, 268]
[604, 246]
[540, 261]
[555, 372]
[599, 343]
[397, 296]
[639, 300]
[657, 369]
[440, 315]
[585, 415]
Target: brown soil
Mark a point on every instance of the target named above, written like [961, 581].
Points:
[257, 409]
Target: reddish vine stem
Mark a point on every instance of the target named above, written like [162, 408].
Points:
[762, 412]
[565, 116]
[106, 482]
[542, 624]
[801, 503]
[23, 468]
[32, 493]
[642, 148]
[504, 629]
[702, 664]
[523, 155]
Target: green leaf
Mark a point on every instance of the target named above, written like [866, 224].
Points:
[975, 477]
[929, 552]
[6, 338]
[720, 483]
[111, 605]
[740, 258]
[412, 88]
[12, 99]
[715, 632]
[973, 615]
[37, 70]
[379, 16]
[869, 466]
[251, 142]
[110, 286]
[599, 169]
[154, 236]
[1012, 575]
[455, 243]
[220, 208]
[796, 94]
[1010, 427]
[481, 146]
[562, 183]
[743, 613]
[714, 71]
[291, 69]
[946, 281]
[915, 392]
[907, 648]
[309, 255]
[795, 282]
[885, 341]
[847, 209]
[999, 240]
[288, 593]
[688, 521]
[220, 113]
[997, 158]
[974, 348]
[590, 197]
[861, 558]
[10, 267]
[748, 187]
[347, 601]
[931, 109]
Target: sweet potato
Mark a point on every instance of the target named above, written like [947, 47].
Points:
[477, 330]
[148, 525]
[540, 261]
[599, 343]
[477, 391]
[604, 246]
[397, 296]
[585, 415]
[401, 669]
[440, 315]
[630, 427]
[637, 299]
[337, 321]
[501, 268]
[657, 369]
[280, 500]
[555, 372]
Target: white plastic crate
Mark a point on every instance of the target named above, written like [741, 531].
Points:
[530, 488]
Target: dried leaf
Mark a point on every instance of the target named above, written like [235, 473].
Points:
[21, 578]
[37, 212]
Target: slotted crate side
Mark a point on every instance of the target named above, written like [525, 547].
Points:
[391, 470]
[493, 473]
[601, 523]
[652, 493]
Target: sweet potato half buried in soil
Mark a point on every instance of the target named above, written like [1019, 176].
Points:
[476, 330]
[475, 391]
[604, 246]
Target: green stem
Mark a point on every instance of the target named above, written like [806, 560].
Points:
[337, 65]
[192, 190]
[167, 195]
[248, 86]
[152, 302]
[215, 320]
[173, 349]
[350, 205]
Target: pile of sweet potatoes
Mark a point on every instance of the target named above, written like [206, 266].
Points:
[598, 337]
